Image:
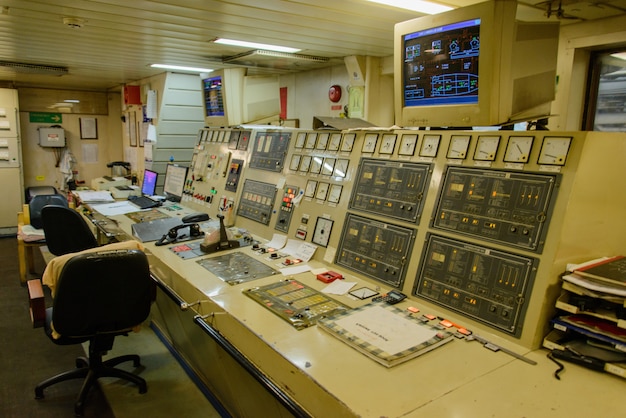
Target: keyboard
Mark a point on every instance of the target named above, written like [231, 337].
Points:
[143, 202]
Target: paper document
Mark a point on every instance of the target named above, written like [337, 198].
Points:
[115, 208]
[94, 196]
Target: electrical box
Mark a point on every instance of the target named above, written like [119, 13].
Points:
[52, 137]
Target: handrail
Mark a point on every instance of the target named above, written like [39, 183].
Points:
[238, 356]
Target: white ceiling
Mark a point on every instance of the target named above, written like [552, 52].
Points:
[120, 38]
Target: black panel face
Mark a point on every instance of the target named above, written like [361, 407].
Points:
[482, 283]
[505, 207]
[375, 249]
[391, 188]
[270, 149]
[286, 208]
[257, 201]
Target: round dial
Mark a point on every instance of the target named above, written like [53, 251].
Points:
[486, 148]
[334, 141]
[388, 144]
[518, 149]
[348, 142]
[458, 146]
[554, 150]
[407, 144]
[321, 234]
[430, 145]
[369, 143]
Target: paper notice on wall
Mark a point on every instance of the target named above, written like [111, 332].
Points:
[151, 105]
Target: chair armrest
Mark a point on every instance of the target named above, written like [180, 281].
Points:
[37, 303]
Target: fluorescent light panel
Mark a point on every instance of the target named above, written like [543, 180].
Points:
[182, 68]
[415, 5]
[255, 45]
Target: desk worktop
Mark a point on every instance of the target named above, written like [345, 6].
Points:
[329, 378]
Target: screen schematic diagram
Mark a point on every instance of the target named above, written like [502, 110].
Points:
[441, 65]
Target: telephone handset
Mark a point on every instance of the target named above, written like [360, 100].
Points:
[189, 221]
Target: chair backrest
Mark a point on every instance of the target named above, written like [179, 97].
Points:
[33, 191]
[66, 230]
[102, 292]
[37, 203]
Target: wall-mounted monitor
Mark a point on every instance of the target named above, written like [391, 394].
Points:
[473, 66]
[232, 98]
[174, 185]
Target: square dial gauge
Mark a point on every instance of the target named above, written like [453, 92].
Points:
[311, 139]
[321, 234]
[322, 141]
[518, 149]
[295, 162]
[348, 142]
[430, 145]
[309, 190]
[322, 191]
[458, 147]
[486, 147]
[300, 140]
[305, 163]
[554, 150]
[387, 144]
[369, 143]
[407, 144]
[334, 142]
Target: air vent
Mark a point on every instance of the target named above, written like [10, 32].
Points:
[20, 67]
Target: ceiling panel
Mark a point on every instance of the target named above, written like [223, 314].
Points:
[120, 38]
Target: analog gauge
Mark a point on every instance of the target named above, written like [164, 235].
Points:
[341, 168]
[300, 140]
[430, 145]
[221, 137]
[316, 165]
[334, 194]
[518, 149]
[311, 138]
[309, 190]
[322, 141]
[321, 234]
[554, 150]
[322, 191]
[295, 162]
[305, 163]
[329, 165]
[458, 146]
[348, 142]
[369, 143]
[334, 141]
[388, 144]
[486, 148]
[407, 144]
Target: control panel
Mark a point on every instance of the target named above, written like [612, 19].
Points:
[506, 207]
[486, 284]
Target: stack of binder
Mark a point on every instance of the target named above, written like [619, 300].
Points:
[591, 325]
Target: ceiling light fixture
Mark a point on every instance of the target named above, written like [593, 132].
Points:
[181, 68]
[255, 45]
[421, 6]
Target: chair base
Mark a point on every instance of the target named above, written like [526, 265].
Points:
[90, 372]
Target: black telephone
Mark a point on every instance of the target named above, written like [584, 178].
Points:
[189, 221]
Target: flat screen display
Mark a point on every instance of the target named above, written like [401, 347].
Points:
[148, 186]
[174, 185]
[213, 98]
[440, 65]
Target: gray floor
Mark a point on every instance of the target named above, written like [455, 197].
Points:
[171, 393]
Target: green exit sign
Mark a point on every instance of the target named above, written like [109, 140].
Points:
[45, 117]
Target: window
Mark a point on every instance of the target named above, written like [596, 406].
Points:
[607, 92]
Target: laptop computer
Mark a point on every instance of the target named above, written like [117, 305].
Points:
[148, 188]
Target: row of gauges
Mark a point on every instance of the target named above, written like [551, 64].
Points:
[209, 135]
[553, 151]
[323, 191]
[328, 166]
[325, 141]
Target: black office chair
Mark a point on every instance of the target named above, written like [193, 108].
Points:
[37, 203]
[66, 230]
[98, 296]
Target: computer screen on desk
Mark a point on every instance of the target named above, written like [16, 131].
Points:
[148, 186]
[174, 185]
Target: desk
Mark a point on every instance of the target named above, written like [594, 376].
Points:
[317, 375]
